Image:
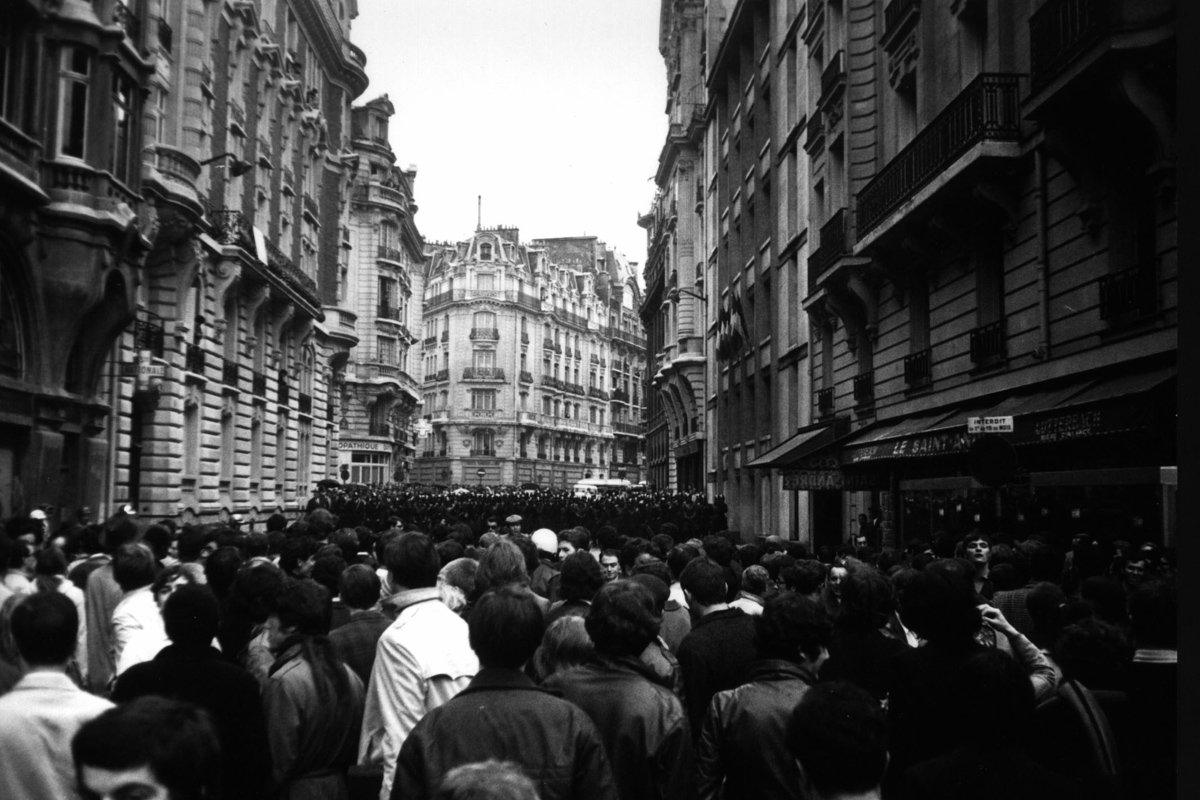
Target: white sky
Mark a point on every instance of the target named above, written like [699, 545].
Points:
[552, 110]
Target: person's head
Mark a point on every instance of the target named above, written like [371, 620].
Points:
[528, 550]
[191, 615]
[255, 588]
[172, 578]
[412, 561]
[622, 620]
[456, 582]
[610, 565]
[151, 748]
[195, 543]
[679, 557]
[512, 524]
[546, 542]
[327, 570]
[977, 548]
[487, 780]
[359, 586]
[300, 609]
[703, 582]
[837, 575]
[134, 567]
[580, 577]
[838, 735]
[805, 577]
[754, 580]
[940, 606]
[867, 600]
[649, 575]
[160, 539]
[571, 540]
[44, 629]
[506, 627]
[501, 564]
[565, 644]
[1092, 652]
[794, 628]
[221, 569]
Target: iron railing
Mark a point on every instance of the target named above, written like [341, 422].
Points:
[987, 110]
[1061, 31]
[230, 373]
[1129, 294]
[305, 404]
[485, 333]
[390, 253]
[832, 247]
[864, 388]
[825, 401]
[483, 374]
[526, 377]
[193, 359]
[896, 17]
[987, 344]
[833, 78]
[917, 367]
[148, 335]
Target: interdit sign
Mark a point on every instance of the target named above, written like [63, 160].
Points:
[989, 424]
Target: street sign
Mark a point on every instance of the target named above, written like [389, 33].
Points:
[989, 424]
[143, 370]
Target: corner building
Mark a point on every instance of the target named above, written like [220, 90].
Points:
[193, 160]
[533, 362]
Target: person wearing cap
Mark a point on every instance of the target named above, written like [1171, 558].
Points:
[513, 524]
[542, 577]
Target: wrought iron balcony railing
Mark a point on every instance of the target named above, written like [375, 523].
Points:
[259, 384]
[898, 17]
[832, 247]
[485, 333]
[193, 359]
[987, 344]
[833, 79]
[148, 335]
[917, 367]
[388, 311]
[526, 377]
[1061, 31]
[987, 110]
[483, 374]
[379, 429]
[1129, 294]
[126, 16]
[524, 338]
[390, 253]
[825, 401]
[864, 389]
[230, 373]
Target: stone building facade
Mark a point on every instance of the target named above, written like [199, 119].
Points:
[533, 359]
[380, 294]
[183, 181]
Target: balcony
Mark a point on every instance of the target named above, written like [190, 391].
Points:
[388, 311]
[899, 17]
[628, 428]
[986, 111]
[541, 455]
[825, 401]
[987, 345]
[552, 382]
[126, 18]
[259, 384]
[485, 334]
[237, 115]
[864, 389]
[483, 453]
[567, 351]
[305, 404]
[831, 248]
[573, 388]
[438, 377]
[524, 338]
[148, 336]
[1060, 32]
[230, 373]
[430, 341]
[483, 374]
[65, 177]
[599, 394]
[379, 429]
[917, 368]
[833, 79]
[595, 359]
[445, 336]
[165, 35]
[234, 229]
[620, 395]
[193, 359]
[547, 344]
[282, 390]
[578, 355]
[390, 254]
[526, 377]
[1130, 294]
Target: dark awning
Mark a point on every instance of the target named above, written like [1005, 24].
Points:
[801, 444]
[1080, 409]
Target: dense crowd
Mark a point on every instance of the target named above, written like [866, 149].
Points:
[400, 643]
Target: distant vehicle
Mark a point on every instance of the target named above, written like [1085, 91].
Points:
[589, 487]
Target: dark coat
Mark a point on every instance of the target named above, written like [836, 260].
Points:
[986, 774]
[862, 656]
[357, 641]
[642, 723]
[743, 749]
[204, 677]
[715, 656]
[503, 715]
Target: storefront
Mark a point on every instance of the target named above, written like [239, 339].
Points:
[1083, 454]
[366, 462]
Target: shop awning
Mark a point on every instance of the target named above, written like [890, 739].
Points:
[801, 444]
[1080, 409]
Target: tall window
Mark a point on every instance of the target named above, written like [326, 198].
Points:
[484, 359]
[256, 445]
[123, 116]
[387, 350]
[485, 253]
[191, 441]
[483, 399]
[228, 456]
[18, 75]
[304, 453]
[482, 444]
[484, 321]
[73, 113]
[485, 282]
[307, 363]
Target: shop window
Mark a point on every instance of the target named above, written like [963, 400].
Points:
[369, 468]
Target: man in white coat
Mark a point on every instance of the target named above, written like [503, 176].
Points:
[424, 658]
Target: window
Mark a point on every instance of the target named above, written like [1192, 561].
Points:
[256, 445]
[228, 456]
[369, 468]
[304, 453]
[485, 253]
[191, 441]
[307, 362]
[387, 350]
[484, 321]
[124, 114]
[546, 409]
[485, 282]
[484, 359]
[73, 113]
[18, 75]
[483, 400]
[482, 445]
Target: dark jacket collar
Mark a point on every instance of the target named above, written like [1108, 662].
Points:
[498, 678]
[179, 653]
[716, 616]
[778, 669]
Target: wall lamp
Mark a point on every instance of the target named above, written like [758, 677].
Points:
[674, 294]
[237, 167]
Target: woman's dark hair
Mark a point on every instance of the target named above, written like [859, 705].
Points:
[134, 567]
[50, 566]
[581, 577]
[500, 565]
[305, 606]
[159, 539]
[940, 606]
[413, 560]
[176, 740]
[792, 624]
[867, 600]
[221, 569]
[255, 588]
[804, 577]
[577, 537]
[565, 644]
[327, 570]
[622, 621]
[505, 627]
[44, 628]
[528, 550]
[192, 540]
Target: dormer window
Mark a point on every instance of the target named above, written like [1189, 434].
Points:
[485, 252]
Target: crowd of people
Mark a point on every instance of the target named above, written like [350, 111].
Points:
[523, 644]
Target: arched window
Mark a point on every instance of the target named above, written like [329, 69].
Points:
[307, 361]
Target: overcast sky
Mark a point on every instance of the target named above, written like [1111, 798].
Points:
[552, 110]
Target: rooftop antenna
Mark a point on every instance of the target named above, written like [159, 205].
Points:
[479, 213]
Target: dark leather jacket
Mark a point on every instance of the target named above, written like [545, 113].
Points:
[643, 725]
[743, 751]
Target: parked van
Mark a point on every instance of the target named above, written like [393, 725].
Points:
[589, 487]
